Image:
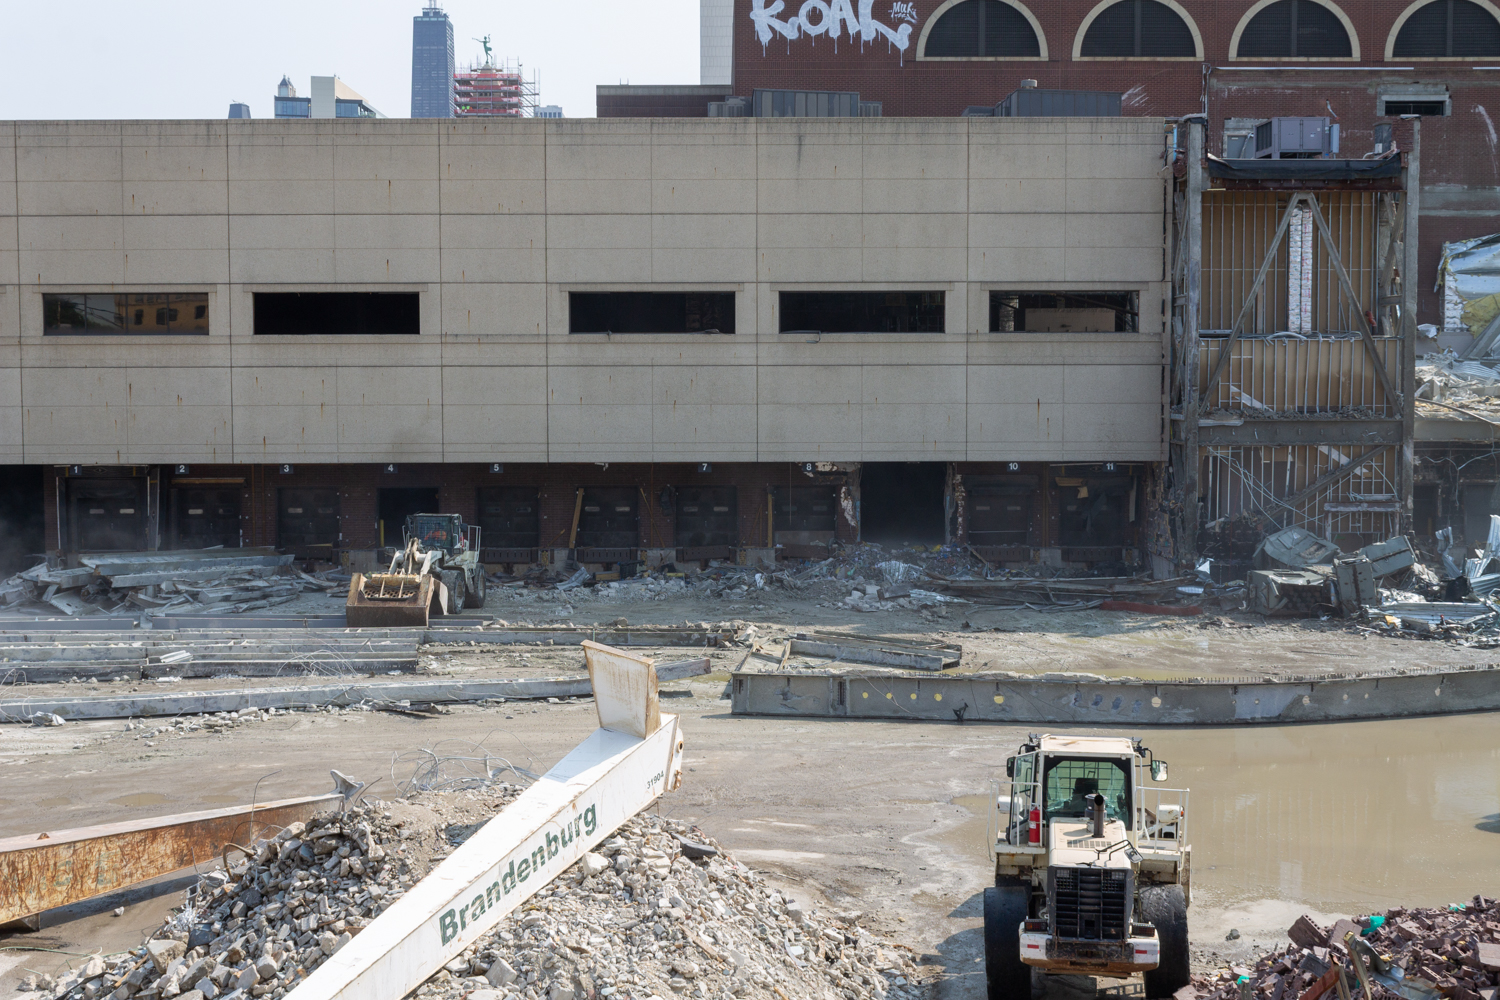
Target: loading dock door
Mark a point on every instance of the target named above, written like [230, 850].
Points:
[107, 515]
[1000, 510]
[509, 523]
[394, 504]
[803, 515]
[609, 519]
[307, 519]
[707, 516]
[1096, 511]
[205, 516]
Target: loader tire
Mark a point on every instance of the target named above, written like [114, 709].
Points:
[1166, 907]
[458, 595]
[1005, 907]
[474, 597]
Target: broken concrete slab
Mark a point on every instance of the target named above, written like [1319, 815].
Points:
[882, 654]
[342, 694]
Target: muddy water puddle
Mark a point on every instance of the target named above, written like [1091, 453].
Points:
[1332, 819]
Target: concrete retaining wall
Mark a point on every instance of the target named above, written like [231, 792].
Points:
[1007, 698]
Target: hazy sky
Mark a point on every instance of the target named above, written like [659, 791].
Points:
[178, 59]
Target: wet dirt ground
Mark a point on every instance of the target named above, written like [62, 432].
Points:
[883, 817]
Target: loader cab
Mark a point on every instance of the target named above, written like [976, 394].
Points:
[1057, 776]
[445, 532]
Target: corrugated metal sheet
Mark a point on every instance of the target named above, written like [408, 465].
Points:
[1237, 230]
[1290, 375]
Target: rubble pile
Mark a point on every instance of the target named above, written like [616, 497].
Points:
[861, 577]
[197, 580]
[659, 911]
[1452, 953]
[260, 928]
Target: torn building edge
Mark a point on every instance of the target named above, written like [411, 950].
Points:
[589, 794]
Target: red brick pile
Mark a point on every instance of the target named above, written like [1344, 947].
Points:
[1455, 952]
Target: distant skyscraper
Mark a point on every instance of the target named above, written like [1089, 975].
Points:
[331, 98]
[432, 63]
[716, 41]
[239, 109]
[288, 104]
[545, 111]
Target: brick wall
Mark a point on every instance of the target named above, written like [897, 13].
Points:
[1460, 169]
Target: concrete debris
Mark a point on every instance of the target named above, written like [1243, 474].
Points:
[1432, 953]
[658, 910]
[237, 703]
[218, 580]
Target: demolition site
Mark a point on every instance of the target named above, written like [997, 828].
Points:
[1007, 506]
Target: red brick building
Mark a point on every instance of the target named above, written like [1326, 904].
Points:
[1360, 62]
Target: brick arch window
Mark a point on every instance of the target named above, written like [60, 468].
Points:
[1446, 29]
[1297, 29]
[978, 29]
[1135, 28]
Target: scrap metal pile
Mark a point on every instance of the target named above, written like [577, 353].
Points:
[198, 580]
[1418, 954]
[659, 910]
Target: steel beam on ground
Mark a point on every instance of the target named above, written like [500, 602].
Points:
[51, 869]
[1090, 700]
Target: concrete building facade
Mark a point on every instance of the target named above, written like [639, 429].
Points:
[153, 276]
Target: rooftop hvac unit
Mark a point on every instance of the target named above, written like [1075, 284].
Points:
[729, 107]
[1031, 102]
[807, 104]
[1296, 139]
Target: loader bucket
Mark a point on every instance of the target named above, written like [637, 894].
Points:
[383, 600]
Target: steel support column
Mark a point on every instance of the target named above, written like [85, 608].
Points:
[1191, 305]
[1412, 198]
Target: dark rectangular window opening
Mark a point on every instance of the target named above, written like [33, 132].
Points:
[337, 313]
[862, 312]
[1428, 109]
[101, 314]
[1064, 312]
[650, 312]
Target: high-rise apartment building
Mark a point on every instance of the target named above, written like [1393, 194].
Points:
[331, 98]
[432, 63]
[549, 111]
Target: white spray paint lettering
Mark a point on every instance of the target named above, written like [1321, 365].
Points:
[830, 17]
[903, 12]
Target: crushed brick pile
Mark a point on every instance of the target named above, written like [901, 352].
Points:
[1455, 952]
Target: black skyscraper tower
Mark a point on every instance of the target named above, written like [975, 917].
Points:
[431, 63]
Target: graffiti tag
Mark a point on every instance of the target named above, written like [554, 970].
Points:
[903, 12]
[831, 18]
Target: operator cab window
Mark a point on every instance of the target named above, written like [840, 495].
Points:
[1068, 780]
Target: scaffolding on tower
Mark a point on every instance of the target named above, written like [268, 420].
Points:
[495, 91]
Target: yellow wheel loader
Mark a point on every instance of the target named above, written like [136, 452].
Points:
[437, 572]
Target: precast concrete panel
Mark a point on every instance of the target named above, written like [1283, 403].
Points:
[11, 412]
[174, 168]
[494, 224]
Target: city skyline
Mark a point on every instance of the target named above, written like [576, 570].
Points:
[372, 50]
